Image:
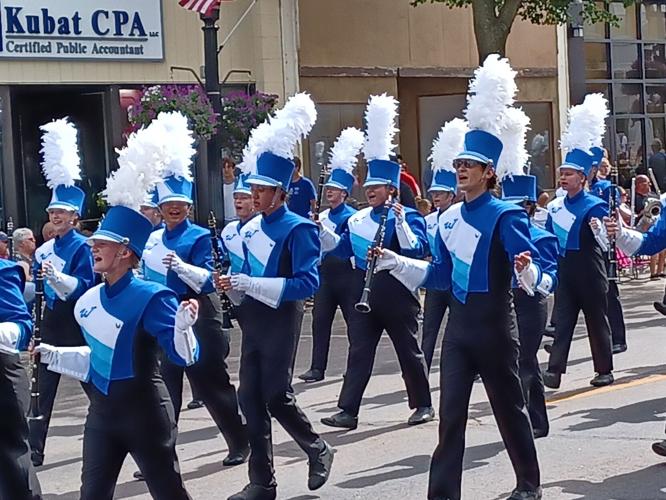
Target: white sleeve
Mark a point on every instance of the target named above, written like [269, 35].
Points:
[63, 284]
[410, 272]
[71, 361]
[328, 239]
[406, 237]
[10, 334]
[267, 290]
[629, 241]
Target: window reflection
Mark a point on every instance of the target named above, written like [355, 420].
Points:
[629, 142]
[626, 29]
[626, 64]
[539, 142]
[596, 61]
[653, 19]
[655, 98]
[627, 98]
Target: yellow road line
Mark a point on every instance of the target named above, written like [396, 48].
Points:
[587, 392]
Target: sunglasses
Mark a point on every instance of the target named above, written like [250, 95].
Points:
[464, 163]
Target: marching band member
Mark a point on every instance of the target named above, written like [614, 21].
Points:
[151, 210]
[17, 479]
[279, 273]
[335, 270]
[483, 243]
[583, 280]
[180, 257]
[231, 237]
[65, 260]
[405, 232]
[448, 144]
[531, 309]
[124, 322]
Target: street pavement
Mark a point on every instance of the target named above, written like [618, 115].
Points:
[598, 448]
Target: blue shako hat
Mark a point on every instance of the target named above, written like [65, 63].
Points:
[124, 225]
[382, 172]
[518, 188]
[597, 155]
[174, 188]
[68, 198]
[579, 160]
[444, 180]
[341, 179]
[273, 170]
[481, 146]
[242, 187]
[153, 201]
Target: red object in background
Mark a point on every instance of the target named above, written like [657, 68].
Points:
[203, 7]
[410, 180]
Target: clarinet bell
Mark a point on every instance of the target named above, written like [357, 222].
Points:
[363, 305]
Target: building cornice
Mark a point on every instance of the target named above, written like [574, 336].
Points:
[424, 72]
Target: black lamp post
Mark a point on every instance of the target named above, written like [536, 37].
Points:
[576, 53]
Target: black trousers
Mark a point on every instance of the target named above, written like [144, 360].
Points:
[333, 293]
[17, 477]
[476, 343]
[209, 376]
[531, 316]
[590, 296]
[59, 328]
[615, 314]
[394, 310]
[436, 303]
[144, 427]
[268, 351]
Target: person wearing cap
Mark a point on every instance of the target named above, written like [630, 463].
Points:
[603, 188]
[583, 280]
[405, 233]
[532, 310]
[180, 257]
[66, 262]
[17, 479]
[232, 240]
[334, 270]
[126, 322]
[483, 242]
[151, 210]
[280, 271]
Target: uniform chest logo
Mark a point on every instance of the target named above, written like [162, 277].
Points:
[250, 233]
[230, 237]
[87, 312]
[44, 256]
[450, 225]
[556, 209]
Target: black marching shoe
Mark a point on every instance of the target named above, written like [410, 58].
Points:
[421, 416]
[548, 348]
[549, 331]
[312, 375]
[255, 492]
[601, 380]
[526, 494]
[342, 420]
[320, 468]
[660, 307]
[618, 348]
[539, 433]
[138, 476]
[194, 404]
[37, 458]
[552, 380]
[236, 457]
[659, 448]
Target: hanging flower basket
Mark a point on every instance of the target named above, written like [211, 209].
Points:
[191, 100]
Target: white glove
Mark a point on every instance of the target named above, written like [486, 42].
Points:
[387, 261]
[10, 335]
[184, 341]
[545, 286]
[71, 361]
[628, 240]
[193, 276]
[527, 278]
[406, 237]
[328, 239]
[599, 232]
[265, 290]
[410, 272]
[63, 284]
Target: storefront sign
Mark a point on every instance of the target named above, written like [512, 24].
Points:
[81, 29]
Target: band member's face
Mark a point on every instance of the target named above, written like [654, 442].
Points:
[571, 180]
[152, 214]
[334, 196]
[442, 199]
[62, 220]
[174, 212]
[106, 255]
[262, 197]
[377, 195]
[244, 205]
[472, 175]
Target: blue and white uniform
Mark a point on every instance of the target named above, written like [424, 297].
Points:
[583, 281]
[17, 480]
[232, 243]
[70, 256]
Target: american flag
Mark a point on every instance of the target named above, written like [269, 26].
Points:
[201, 6]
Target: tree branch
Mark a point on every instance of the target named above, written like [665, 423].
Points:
[508, 13]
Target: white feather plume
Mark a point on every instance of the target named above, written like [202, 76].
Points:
[380, 118]
[513, 135]
[449, 142]
[141, 166]
[346, 148]
[258, 135]
[491, 91]
[61, 153]
[179, 143]
[288, 126]
[586, 124]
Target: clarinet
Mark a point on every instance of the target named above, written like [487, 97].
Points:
[612, 246]
[10, 238]
[363, 305]
[319, 159]
[38, 313]
[221, 269]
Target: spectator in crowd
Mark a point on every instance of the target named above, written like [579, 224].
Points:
[229, 181]
[4, 245]
[424, 206]
[407, 177]
[48, 232]
[24, 248]
[657, 162]
[302, 193]
[642, 194]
